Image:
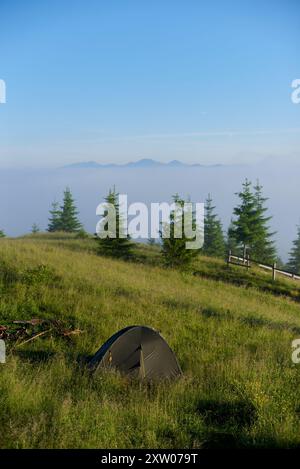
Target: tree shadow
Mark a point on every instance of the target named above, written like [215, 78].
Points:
[41, 356]
[35, 356]
[83, 359]
[238, 413]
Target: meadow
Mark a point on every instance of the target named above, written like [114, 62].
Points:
[231, 331]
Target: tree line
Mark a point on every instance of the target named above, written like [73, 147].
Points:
[248, 233]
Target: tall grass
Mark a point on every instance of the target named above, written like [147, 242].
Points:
[239, 389]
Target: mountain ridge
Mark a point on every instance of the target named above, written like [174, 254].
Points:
[142, 163]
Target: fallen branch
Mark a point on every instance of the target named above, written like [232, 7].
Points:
[34, 337]
[20, 332]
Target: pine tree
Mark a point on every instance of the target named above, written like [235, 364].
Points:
[174, 249]
[263, 247]
[214, 244]
[231, 242]
[294, 260]
[247, 218]
[68, 220]
[55, 218]
[35, 229]
[118, 246]
[250, 228]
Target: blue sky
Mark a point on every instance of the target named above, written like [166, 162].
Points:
[206, 82]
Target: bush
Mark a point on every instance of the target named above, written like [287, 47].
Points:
[82, 234]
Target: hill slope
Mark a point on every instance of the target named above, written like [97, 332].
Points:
[240, 387]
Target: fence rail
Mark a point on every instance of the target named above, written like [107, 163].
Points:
[246, 262]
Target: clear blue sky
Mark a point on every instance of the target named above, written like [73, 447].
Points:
[120, 80]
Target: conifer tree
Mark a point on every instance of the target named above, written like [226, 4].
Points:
[294, 260]
[68, 220]
[115, 244]
[263, 247]
[174, 250]
[246, 222]
[35, 228]
[55, 218]
[231, 242]
[250, 228]
[214, 244]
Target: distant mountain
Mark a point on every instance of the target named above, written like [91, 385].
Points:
[176, 163]
[143, 163]
[87, 164]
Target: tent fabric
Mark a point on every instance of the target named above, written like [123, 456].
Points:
[140, 352]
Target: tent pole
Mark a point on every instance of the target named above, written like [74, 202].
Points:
[142, 364]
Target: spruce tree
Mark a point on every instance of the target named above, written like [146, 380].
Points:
[55, 218]
[214, 244]
[263, 248]
[247, 218]
[250, 228]
[294, 260]
[174, 250]
[35, 228]
[120, 245]
[231, 243]
[68, 220]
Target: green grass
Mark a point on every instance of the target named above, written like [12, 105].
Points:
[231, 331]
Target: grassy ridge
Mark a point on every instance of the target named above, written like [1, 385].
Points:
[240, 387]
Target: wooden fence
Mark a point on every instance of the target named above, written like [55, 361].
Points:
[247, 262]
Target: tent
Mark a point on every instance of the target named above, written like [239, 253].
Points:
[140, 352]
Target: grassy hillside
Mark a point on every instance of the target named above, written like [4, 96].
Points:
[231, 331]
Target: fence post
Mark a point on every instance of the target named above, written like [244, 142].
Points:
[274, 271]
[248, 261]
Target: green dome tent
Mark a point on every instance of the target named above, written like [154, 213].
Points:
[140, 352]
